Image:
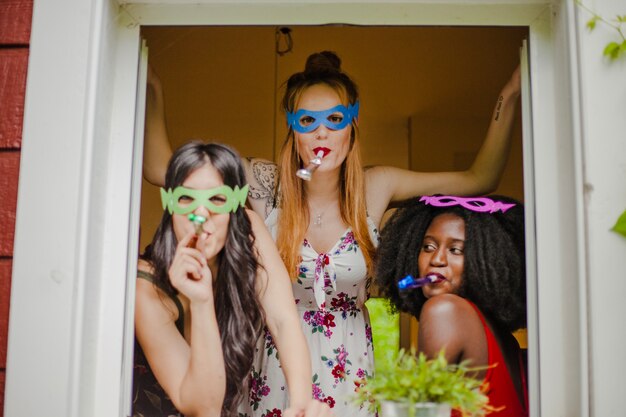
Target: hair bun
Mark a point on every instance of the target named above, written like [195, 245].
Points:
[325, 61]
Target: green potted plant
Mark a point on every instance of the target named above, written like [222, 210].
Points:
[415, 386]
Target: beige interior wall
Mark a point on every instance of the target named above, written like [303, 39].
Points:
[427, 93]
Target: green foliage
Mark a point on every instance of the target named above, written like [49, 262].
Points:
[613, 50]
[591, 23]
[415, 379]
[620, 226]
[385, 331]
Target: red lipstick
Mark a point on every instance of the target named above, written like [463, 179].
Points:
[321, 148]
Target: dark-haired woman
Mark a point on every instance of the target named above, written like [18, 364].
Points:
[204, 293]
[476, 247]
[326, 228]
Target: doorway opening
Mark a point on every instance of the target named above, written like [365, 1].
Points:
[427, 94]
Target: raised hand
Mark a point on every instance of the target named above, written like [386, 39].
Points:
[190, 273]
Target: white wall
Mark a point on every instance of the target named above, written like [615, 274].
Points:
[603, 128]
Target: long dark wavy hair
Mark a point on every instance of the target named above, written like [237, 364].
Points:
[494, 273]
[238, 310]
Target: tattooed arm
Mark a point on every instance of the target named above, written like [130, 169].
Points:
[262, 175]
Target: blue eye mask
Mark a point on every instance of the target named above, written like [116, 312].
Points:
[222, 199]
[305, 121]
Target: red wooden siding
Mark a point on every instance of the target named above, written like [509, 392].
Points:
[15, 18]
[9, 169]
[13, 64]
[2, 375]
[15, 25]
[5, 293]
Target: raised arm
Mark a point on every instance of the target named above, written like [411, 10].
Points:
[389, 184]
[282, 320]
[484, 175]
[191, 372]
[157, 149]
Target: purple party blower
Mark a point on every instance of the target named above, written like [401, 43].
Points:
[408, 282]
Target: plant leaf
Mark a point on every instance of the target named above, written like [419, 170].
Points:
[413, 378]
[620, 226]
[612, 50]
[591, 23]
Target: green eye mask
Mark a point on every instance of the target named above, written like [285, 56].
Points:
[217, 200]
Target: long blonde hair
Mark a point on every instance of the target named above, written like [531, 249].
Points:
[321, 68]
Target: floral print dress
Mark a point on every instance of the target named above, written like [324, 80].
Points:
[330, 292]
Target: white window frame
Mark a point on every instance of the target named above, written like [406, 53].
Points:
[69, 275]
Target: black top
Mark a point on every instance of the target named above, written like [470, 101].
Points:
[149, 399]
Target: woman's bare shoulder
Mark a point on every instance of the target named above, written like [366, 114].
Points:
[378, 189]
[446, 307]
[145, 266]
[149, 297]
[447, 321]
[255, 219]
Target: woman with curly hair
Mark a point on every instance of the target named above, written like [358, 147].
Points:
[473, 250]
[204, 291]
[326, 228]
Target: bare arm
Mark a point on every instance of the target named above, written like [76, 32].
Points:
[449, 322]
[389, 184]
[191, 373]
[157, 149]
[281, 316]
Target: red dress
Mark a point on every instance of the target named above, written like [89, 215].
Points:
[501, 391]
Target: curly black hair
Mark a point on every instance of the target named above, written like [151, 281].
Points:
[494, 273]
